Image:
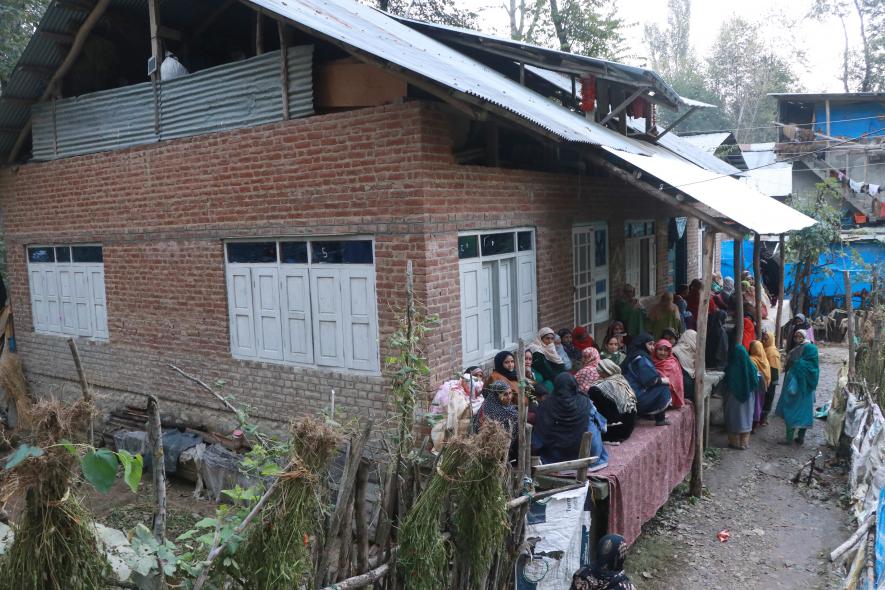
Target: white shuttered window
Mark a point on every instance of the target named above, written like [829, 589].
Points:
[67, 290]
[640, 253]
[304, 302]
[499, 302]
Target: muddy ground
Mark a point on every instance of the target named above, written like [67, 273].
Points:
[780, 532]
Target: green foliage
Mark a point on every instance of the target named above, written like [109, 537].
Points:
[444, 12]
[18, 20]
[863, 51]
[100, 469]
[21, 454]
[132, 469]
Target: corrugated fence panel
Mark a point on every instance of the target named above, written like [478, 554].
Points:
[230, 96]
[300, 81]
[97, 122]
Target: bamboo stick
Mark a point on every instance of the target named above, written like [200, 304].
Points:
[783, 294]
[565, 465]
[757, 279]
[700, 364]
[359, 514]
[854, 538]
[85, 389]
[739, 303]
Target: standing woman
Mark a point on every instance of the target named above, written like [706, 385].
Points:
[760, 359]
[664, 315]
[652, 391]
[546, 362]
[796, 404]
[741, 378]
[774, 362]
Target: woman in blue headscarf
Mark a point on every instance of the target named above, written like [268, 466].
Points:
[796, 404]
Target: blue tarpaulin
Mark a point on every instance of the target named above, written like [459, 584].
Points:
[825, 283]
[852, 119]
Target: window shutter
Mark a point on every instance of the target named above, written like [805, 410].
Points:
[99, 303]
[527, 296]
[82, 300]
[326, 306]
[39, 304]
[652, 265]
[297, 324]
[470, 310]
[359, 319]
[242, 322]
[600, 279]
[266, 303]
[68, 307]
[631, 260]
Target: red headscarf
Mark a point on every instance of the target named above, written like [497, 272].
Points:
[749, 333]
[672, 370]
[581, 339]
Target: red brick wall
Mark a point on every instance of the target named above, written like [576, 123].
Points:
[163, 211]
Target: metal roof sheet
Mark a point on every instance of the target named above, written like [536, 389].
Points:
[728, 197]
[544, 57]
[775, 180]
[373, 32]
[706, 141]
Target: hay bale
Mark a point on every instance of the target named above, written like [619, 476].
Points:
[15, 386]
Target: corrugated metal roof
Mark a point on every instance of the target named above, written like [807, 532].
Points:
[775, 180]
[706, 141]
[369, 31]
[704, 159]
[551, 58]
[726, 196]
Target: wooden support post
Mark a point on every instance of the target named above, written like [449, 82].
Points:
[284, 67]
[849, 309]
[700, 364]
[783, 294]
[156, 43]
[85, 389]
[259, 33]
[584, 451]
[155, 439]
[524, 466]
[359, 515]
[757, 283]
[739, 303]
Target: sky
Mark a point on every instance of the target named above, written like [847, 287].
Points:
[784, 22]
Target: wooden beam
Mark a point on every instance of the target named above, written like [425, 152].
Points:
[700, 366]
[661, 195]
[57, 37]
[213, 16]
[849, 309]
[757, 283]
[156, 43]
[79, 40]
[739, 307]
[259, 33]
[682, 118]
[284, 67]
[783, 294]
[624, 104]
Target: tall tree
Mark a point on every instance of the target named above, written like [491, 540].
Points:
[670, 50]
[863, 69]
[523, 17]
[587, 27]
[18, 19]
[741, 70]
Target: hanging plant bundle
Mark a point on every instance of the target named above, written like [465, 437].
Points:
[480, 519]
[424, 553]
[55, 547]
[276, 552]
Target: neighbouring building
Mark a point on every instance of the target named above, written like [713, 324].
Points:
[250, 222]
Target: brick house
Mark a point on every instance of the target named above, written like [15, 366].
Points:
[267, 249]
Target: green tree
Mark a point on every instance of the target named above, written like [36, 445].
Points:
[741, 70]
[586, 27]
[18, 20]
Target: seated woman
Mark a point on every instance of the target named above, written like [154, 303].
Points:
[652, 390]
[498, 407]
[565, 336]
[615, 400]
[536, 389]
[546, 362]
[456, 400]
[670, 335]
[613, 350]
[617, 330]
[588, 375]
[581, 338]
[684, 351]
[664, 315]
[505, 370]
[607, 571]
[668, 368]
[562, 419]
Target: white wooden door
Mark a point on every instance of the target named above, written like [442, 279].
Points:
[242, 321]
[486, 309]
[82, 295]
[39, 301]
[527, 296]
[297, 324]
[360, 334]
[470, 309]
[266, 306]
[99, 301]
[326, 308]
[505, 303]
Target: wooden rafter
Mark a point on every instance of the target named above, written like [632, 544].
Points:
[77, 46]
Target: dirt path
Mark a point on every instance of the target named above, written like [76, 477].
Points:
[781, 533]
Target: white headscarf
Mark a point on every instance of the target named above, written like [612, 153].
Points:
[548, 350]
[685, 349]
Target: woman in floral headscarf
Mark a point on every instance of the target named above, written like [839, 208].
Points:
[546, 362]
[588, 375]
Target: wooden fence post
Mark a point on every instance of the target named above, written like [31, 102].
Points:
[757, 280]
[700, 363]
[780, 300]
[849, 308]
[738, 292]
